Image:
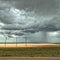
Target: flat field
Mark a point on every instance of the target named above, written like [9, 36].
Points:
[30, 52]
[29, 45]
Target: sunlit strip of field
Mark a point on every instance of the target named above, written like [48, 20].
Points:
[29, 45]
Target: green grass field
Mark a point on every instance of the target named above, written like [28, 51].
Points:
[30, 52]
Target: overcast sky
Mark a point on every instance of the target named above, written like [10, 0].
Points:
[29, 17]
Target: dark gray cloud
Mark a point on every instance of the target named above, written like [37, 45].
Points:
[11, 34]
[30, 15]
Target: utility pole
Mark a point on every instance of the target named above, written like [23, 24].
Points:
[16, 42]
[25, 41]
[5, 42]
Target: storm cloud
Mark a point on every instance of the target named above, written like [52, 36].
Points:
[30, 15]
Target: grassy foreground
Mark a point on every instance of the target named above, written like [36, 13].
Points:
[30, 52]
